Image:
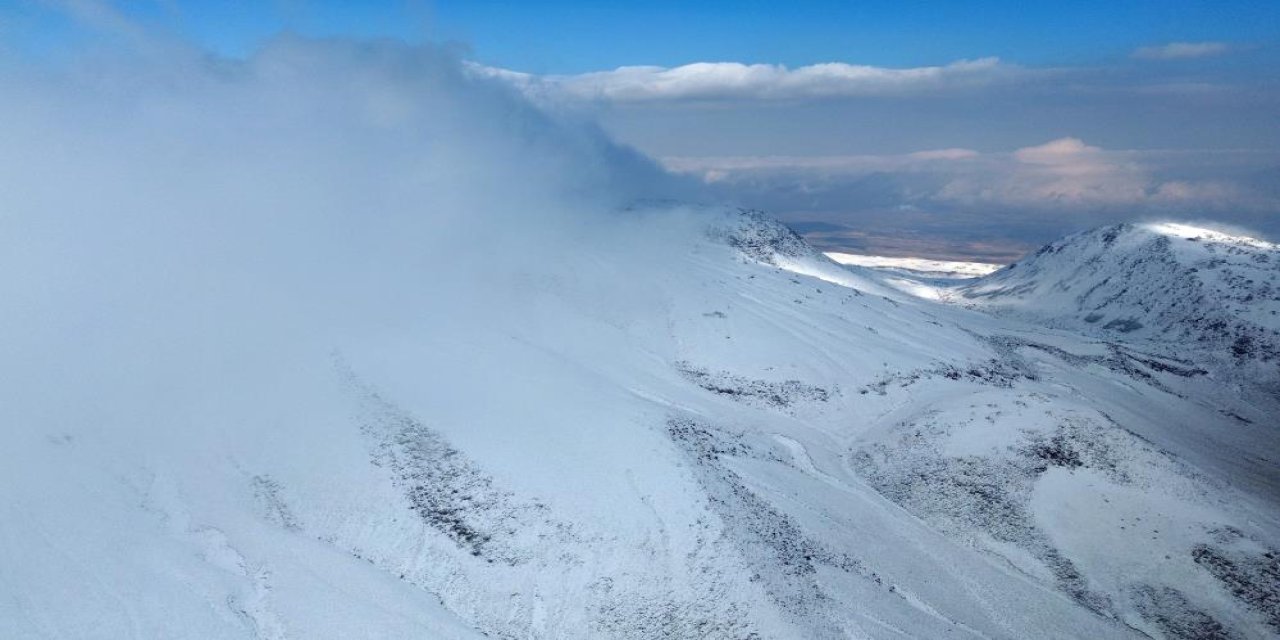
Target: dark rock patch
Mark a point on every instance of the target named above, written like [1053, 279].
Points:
[1253, 579]
[784, 394]
[1170, 611]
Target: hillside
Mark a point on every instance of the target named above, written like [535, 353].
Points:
[1206, 296]
[730, 449]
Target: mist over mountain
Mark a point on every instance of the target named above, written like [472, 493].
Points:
[344, 340]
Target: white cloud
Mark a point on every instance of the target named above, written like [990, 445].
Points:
[1175, 191]
[711, 169]
[1065, 170]
[1064, 175]
[711, 81]
[944, 154]
[1181, 50]
[1063, 151]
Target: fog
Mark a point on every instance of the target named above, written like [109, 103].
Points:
[184, 235]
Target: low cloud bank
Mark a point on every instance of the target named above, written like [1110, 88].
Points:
[1012, 200]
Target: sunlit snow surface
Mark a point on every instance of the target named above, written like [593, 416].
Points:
[918, 277]
[425, 371]
[922, 266]
[1192, 232]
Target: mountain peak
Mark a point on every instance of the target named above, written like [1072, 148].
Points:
[1191, 232]
[1172, 285]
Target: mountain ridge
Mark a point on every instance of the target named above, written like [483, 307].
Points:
[1175, 286]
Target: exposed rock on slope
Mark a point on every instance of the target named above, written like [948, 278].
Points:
[1192, 290]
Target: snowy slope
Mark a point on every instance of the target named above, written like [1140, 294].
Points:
[1207, 296]
[744, 451]
[921, 278]
[283, 394]
[922, 267]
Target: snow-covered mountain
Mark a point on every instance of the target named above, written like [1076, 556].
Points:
[1208, 296]
[402, 363]
[747, 452]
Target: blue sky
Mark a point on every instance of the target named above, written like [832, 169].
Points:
[562, 36]
[997, 123]
[579, 36]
